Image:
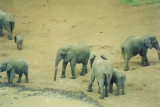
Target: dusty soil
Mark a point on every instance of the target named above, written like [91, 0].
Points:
[102, 25]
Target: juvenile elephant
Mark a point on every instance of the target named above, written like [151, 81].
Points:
[138, 45]
[102, 69]
[79, 53]
[18, 39]
[119, 79]
[18, 66]
[6, 22]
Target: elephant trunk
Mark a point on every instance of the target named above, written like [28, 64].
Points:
[56, 67]
[158, 49]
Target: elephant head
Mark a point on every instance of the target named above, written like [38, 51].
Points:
[65, 53]
[92, 58]
[6, 66]
[152, 41]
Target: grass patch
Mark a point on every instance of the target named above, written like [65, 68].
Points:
[139, 2]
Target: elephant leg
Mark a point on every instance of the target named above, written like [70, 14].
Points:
[21, 45]
[1, 32]
[127, 58]
[26, 75]
[73, 64]
[12, 75]
[106, 89]
[123, 87]
[111, 87]
[146, 61]
[101, 86]
[19, 79]
[98, 87]
[64, 65]
[118, 84]
[91, 82]
[8, 28]
[142, 62]
[84, 69]
[8, 76]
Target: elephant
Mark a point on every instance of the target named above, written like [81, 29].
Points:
[17, 66]
[102, 70]
[18, 39]
[134, 45]
[6, 22]
[119, 79]
[78, 53]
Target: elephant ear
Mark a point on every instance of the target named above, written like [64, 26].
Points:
[92, 60]
[9, 67]
[147, 43]
[104, 57]
[69, 54]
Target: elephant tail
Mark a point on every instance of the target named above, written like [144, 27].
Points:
[12, 26]
[123, 52]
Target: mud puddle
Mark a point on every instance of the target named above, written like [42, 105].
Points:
[21, 97]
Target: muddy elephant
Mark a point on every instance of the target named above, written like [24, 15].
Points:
[79, 53]
[18, 66]
[102, 70]
[138, 45]
[18, 39]
[119, 79]
[6, 22]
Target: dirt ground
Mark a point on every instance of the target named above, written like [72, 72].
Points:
[102, 25]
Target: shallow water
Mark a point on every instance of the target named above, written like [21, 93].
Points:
[21, 97]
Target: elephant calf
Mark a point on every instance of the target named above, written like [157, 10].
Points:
[102, 70]
[138, 45]
[18, 39]
[119, 79]
[79, 53]
[18, 66]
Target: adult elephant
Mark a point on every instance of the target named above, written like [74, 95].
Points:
[138, 45]
[79, 53]
[6, 22]
[102, 70]
[18, 66]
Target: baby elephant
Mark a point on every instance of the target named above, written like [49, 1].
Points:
[18, 39]
[119, 78]
[18, 66]
[102, 70]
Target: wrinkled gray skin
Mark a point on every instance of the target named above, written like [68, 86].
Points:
[18, 66]
[6, 22]
[79, 53]
[18, 39]
[102, 70]
[119, 79]
[138, 45]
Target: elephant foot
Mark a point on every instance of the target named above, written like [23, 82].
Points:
[123, 93]
[73, 77]
[63, 76]
[101, 96]
[10, 85]
[89, 90]
[82, 73]
[147, 64]
[18, 81]
[117, 94]
[9, 38]
[126, 68]
[106, 95]
[110, 91]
